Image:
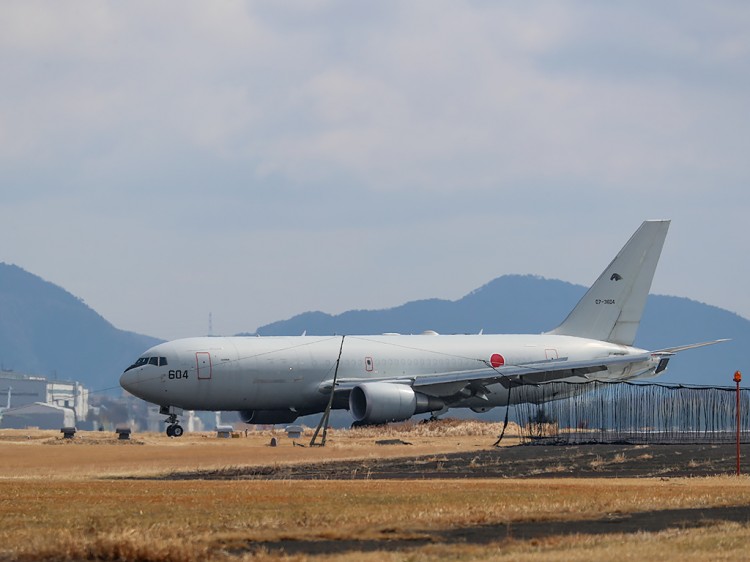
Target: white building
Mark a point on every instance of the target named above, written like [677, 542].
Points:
[43, 416]
[18, 392]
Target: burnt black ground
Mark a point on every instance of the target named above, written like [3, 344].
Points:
[531, 461]
[523, 461]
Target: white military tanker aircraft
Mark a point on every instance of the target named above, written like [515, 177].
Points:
[392, 377]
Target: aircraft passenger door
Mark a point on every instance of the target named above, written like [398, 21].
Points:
[551, 354]
[203, 364]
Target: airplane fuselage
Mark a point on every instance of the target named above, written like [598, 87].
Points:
[248, 373]
[392, 377]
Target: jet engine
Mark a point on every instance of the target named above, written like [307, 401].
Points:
[269, 417]
[382, 402]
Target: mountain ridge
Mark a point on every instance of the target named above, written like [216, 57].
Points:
[45, 330]
[532, 304]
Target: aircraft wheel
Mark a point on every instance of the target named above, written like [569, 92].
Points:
[177, 430]
[170, 431]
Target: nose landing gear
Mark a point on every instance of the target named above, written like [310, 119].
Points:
[174, 429]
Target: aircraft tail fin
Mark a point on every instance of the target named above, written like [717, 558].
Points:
[611, 309]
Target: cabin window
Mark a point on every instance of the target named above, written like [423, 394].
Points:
[158, 361]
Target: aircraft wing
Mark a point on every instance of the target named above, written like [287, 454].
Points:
[530, 373]
[445, 384]
[542, 371]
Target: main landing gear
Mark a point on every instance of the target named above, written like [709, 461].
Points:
[174, 429]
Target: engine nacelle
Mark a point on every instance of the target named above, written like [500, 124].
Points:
[382, 402]
[268, 417]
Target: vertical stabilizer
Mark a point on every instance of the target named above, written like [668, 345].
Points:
[611, 309]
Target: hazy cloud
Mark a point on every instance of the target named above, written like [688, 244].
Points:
[266, 158]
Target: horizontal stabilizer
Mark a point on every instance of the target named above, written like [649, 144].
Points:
[672, 350]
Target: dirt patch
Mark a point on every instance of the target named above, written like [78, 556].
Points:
[46, 454]
[525, 461]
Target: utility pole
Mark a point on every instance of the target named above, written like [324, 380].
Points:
[324, 420]
[738, 379]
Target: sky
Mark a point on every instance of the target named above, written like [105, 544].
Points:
[164, 161]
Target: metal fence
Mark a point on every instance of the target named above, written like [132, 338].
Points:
[622, 412]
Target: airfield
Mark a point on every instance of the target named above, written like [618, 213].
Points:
[436, 491]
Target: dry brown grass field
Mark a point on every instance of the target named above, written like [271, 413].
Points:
[95, 499]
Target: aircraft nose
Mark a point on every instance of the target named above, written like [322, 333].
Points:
[129, 380]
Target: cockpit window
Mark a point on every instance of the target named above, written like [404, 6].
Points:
[158, 361]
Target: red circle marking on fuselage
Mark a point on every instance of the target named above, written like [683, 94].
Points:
[497, 360]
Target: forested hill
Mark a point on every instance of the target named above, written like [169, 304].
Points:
[530, 304]
[44, 330]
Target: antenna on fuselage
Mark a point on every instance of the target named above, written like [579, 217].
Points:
[210, 325]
